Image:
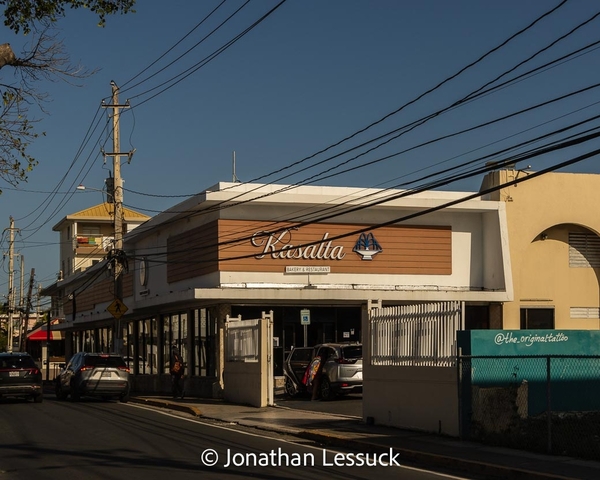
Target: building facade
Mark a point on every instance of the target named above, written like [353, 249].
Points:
[554, 227]
[241, 249]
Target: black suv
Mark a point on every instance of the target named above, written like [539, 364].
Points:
[20, 377]
[104, 375]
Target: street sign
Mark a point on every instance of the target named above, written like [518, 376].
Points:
[117, 308]
[304, 317]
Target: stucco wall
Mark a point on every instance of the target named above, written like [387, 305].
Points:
[553, 204]
[420, 398]
[244, 384]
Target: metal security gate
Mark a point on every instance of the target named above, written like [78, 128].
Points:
[422, 334]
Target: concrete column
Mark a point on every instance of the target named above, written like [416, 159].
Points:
[496, 316]
[220, 311]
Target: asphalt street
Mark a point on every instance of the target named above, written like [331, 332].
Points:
[109, 440]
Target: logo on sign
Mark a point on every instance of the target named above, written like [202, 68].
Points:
[366, 246]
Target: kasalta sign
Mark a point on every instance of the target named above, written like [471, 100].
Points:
[279, 246]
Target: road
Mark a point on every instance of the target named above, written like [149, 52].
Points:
[109, 440]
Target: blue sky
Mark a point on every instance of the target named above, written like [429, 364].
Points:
[308, 76]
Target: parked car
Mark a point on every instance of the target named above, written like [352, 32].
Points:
[143, 366]
[341, 373]
[295, 365]
[104, 375]
[20, 377]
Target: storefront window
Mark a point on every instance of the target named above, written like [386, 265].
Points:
[147, 346]
[89, 341]
[204, 328]
[129, 340]
[175, 332]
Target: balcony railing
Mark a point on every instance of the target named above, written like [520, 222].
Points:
[89, 243]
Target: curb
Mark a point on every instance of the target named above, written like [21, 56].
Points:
[340, 415]
[195, 411]
[454, 464]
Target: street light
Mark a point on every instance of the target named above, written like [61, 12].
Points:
[110, 196]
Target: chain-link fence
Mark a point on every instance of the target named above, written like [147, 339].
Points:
[548, 404]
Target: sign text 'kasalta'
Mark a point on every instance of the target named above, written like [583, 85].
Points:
[279, 245]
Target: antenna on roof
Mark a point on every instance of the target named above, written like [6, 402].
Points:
[235, 179]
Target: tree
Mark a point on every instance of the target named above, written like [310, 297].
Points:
[44, 59]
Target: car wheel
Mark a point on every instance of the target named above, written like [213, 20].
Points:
[60, 395]
[290, 388]
[75, 395]
[326, 391]
[124, 398]
[38, 398]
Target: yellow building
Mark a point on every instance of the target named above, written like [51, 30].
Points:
[553, 225]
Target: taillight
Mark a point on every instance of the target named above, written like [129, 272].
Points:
[35, 371]
[344, 360]
[83, 369]
[125, 369]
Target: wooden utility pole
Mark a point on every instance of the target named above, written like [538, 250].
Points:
[23, 335]
[117, 255]
[21, 299]
[11, 289]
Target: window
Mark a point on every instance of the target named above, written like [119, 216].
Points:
[477, 317]
[204, 343]
[537, 318]
[89, 230]
[148, 346]
[584, 250]
[174, 334]
[585, 312]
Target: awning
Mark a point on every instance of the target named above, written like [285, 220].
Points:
[40, 334]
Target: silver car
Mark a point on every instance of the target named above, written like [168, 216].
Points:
[342, 370]
[94, 374]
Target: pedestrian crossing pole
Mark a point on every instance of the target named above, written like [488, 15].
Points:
[117, 255]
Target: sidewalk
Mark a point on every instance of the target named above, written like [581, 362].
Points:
[421, 448]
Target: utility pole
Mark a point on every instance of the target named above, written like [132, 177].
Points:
[117, 255]
[27, 310]
[11, 290]
[21, 298]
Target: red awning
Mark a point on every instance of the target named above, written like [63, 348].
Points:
[40, 334]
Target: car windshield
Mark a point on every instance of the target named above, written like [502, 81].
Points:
[17, 361]
[104, 361]
[354, 351]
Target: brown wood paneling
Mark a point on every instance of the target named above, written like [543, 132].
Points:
[227, 245]
[425, 250]
[128, 285]
[99, 292]
[192, 253]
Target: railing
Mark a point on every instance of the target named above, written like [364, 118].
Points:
[92, 242]
[242, 340]
[548, 404]
[415, 335]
